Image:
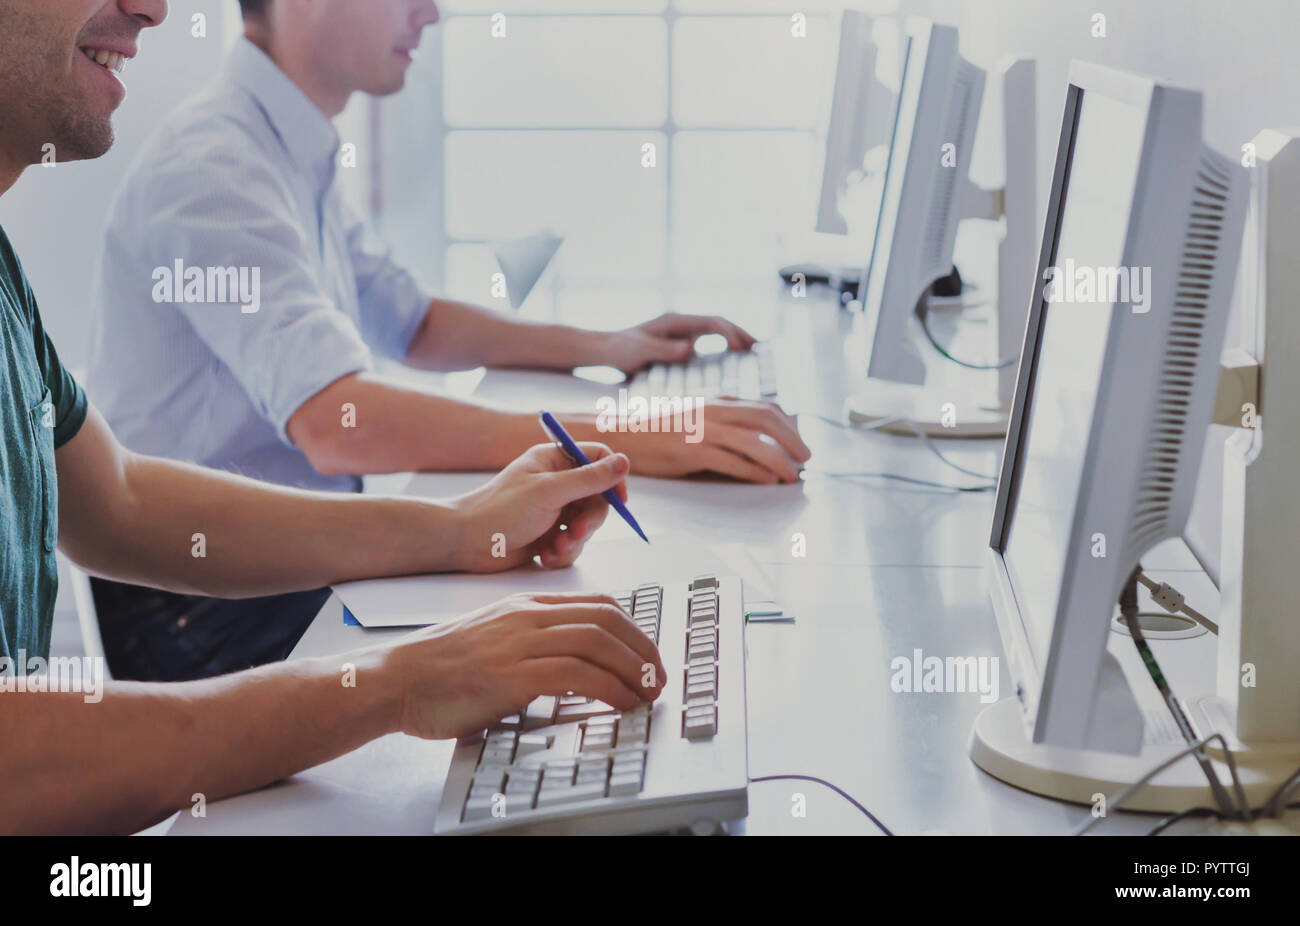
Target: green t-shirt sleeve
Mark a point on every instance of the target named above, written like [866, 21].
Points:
[66, 394]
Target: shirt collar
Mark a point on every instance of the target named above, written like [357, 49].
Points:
[305, 132]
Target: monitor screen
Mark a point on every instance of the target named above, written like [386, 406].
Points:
[1095, 203]
[871, 290]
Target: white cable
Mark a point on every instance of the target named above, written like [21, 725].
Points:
[1172, 600]
[926, 440]
[1112, 803]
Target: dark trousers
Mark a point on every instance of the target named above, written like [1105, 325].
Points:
[157, 636]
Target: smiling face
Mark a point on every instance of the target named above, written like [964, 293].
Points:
[60, 66]
[369, 44]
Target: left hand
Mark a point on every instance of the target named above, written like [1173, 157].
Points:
[669, 338]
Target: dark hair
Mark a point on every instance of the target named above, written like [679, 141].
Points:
[253, 7]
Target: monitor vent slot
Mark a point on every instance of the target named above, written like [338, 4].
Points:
[956, 132]
[1197, 265]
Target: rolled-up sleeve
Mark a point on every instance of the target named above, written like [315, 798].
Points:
[392, 302]
[232, 211]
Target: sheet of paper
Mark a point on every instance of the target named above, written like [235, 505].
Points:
[605, 566]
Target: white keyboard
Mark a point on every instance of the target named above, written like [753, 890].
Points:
[572, 766]
[744, 375]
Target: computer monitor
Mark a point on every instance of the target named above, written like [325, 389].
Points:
[859, 118]
[927, 193]
[924, 192]
[1114, 392]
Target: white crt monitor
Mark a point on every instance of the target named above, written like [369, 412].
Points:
[1114, 391]
[924, 193]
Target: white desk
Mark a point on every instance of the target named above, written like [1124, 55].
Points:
[889, 568]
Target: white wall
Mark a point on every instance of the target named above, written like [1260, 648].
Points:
[1241, 53]
[55, 215]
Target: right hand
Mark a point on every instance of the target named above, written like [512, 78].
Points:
[539, 505]
[750, 441]
[459, 677]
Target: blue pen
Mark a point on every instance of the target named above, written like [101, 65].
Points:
[574, 453]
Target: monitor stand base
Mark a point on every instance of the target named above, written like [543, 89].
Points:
[933, 411]
[1000, 746]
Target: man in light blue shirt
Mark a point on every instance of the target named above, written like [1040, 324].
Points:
[240, 303]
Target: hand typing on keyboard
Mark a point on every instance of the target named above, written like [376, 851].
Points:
[459, 677]
[752, 441]
[575, 764]
[667, 339]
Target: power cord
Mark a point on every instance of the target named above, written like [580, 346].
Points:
[1198, 812]
[908, 479]
[923, 317]
[841, 792]
[1273, 807]
[1172, 600]
[1183, 815]
[1128, 606]
[925, 440]
[1119, 797]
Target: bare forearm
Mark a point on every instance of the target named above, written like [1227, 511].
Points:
[175, 526]
[392, 427]
[458, 336]
[218, 534]
[145, 750]
[395, 428]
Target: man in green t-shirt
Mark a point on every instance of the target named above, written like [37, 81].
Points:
[141, 751]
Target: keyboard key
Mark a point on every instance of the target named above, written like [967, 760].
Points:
[540, 712]
[523, 778]
[633, 760]
[599, 733]
[519, 803]
[530, 743]
[582, 710]
[625, 785]
[558, 774]
[700, 722]
[705, 688]
[478, 809]
[590, 770]
[585, 792]
[499, 753]
[493, 776]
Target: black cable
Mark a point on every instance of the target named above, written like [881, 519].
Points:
[922, 314]
[1271, 806]
[1183, 815]
[821, 781]
[1170, 820]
